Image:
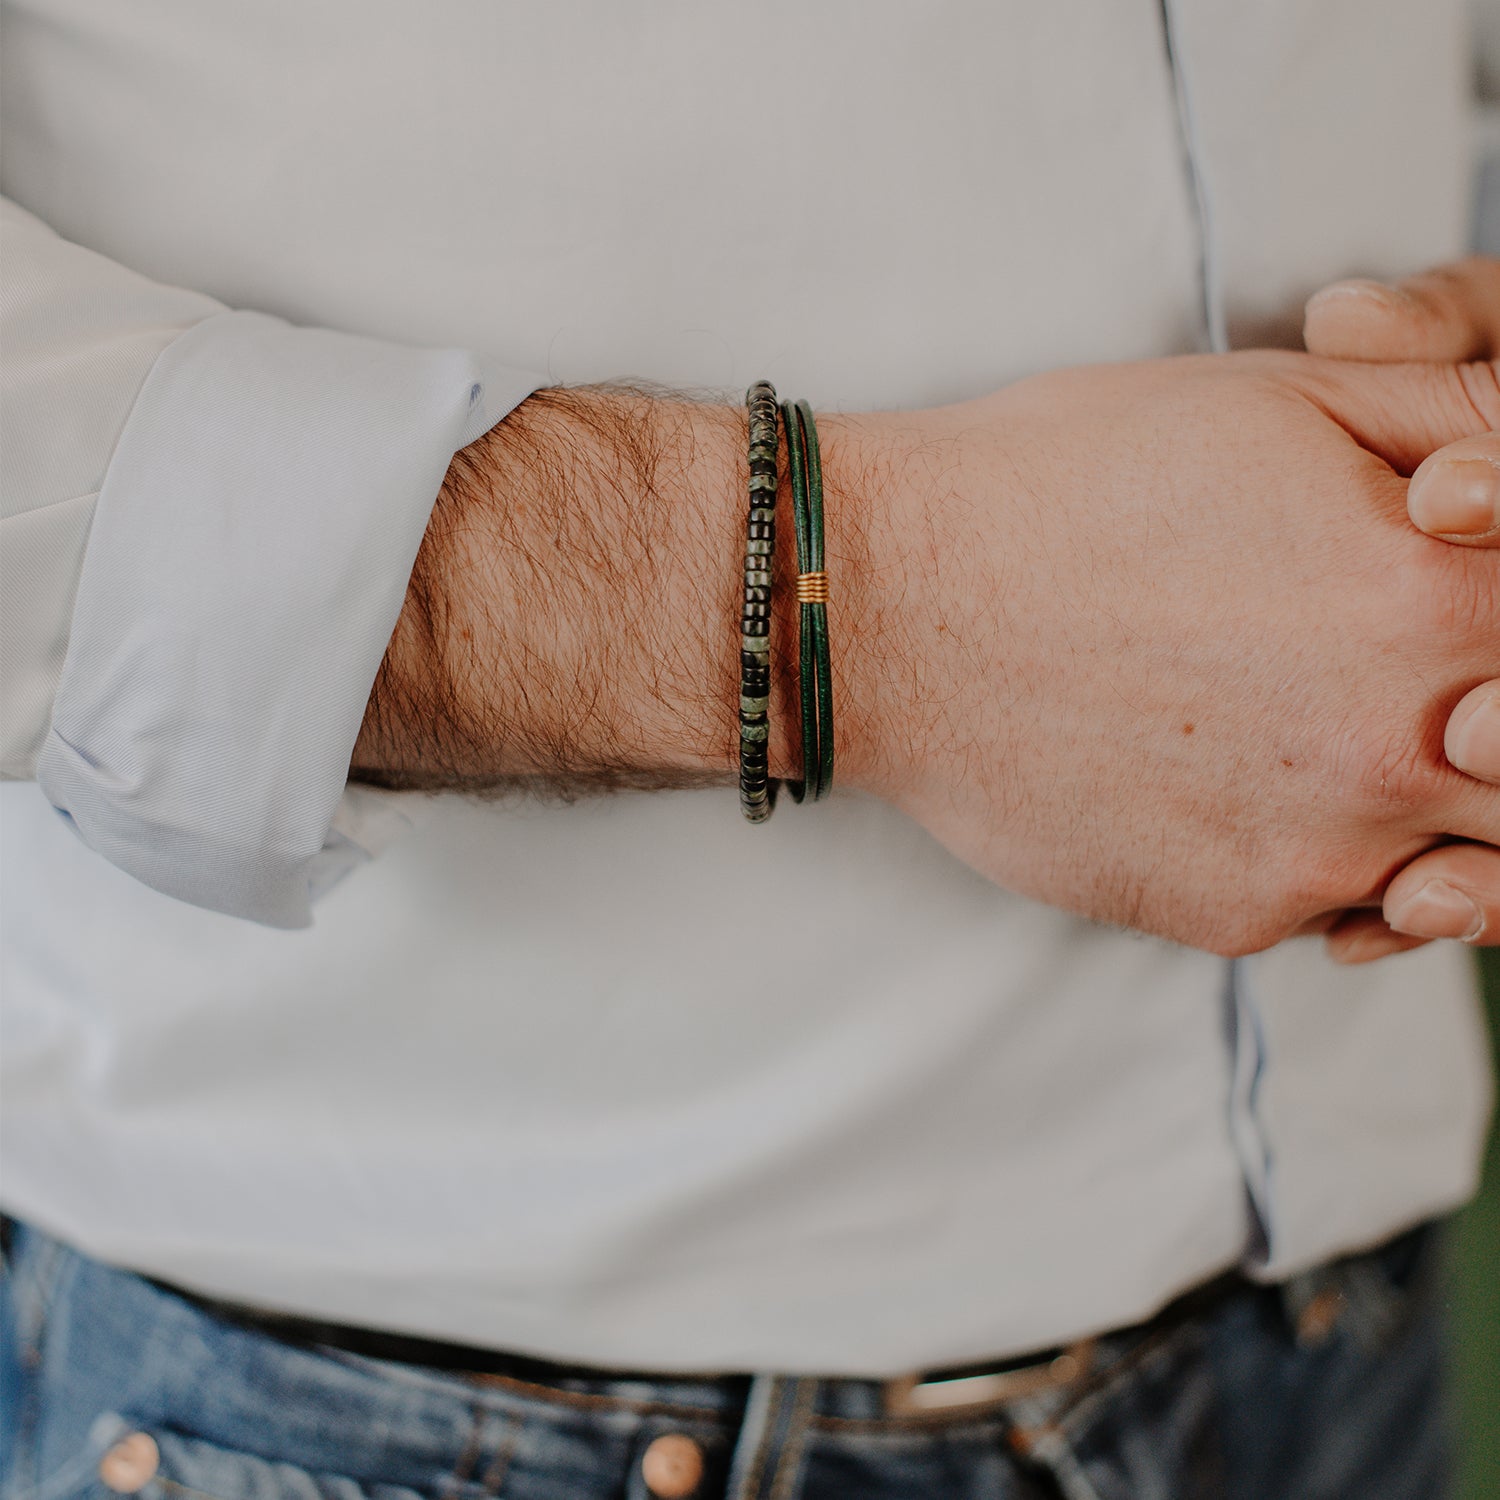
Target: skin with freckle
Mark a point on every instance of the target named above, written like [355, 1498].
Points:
[1316, 769]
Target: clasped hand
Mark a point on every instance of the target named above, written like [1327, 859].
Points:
[1293, 727]
[1445, 316]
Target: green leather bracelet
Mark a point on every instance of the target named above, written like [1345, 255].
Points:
[815, 682]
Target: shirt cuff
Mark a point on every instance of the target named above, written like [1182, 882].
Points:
[248, 559]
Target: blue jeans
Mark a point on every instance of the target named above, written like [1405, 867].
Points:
[1329, 1389]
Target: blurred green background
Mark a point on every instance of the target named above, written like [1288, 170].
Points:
[1476, 1298]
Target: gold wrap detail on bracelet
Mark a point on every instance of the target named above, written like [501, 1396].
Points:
[812, 588]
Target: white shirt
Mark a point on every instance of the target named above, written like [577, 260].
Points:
[514, 1085]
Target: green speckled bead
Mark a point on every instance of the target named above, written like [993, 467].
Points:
[757, 791]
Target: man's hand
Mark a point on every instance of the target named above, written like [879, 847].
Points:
[1449, 314]
[1442, 317]
[1152, 675]
[1153, 643]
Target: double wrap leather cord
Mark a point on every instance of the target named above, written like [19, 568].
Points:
[805, 469]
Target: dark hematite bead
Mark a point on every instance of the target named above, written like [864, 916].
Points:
[756, 788]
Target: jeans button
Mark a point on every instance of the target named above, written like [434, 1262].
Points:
[672, 1466]
[130, 1463]
[1320, 1317]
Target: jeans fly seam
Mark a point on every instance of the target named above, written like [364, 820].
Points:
[454, 1482]
[749, 1487]
[790, 1458]
[499, 1467]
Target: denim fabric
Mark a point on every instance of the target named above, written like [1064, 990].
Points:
[1230, 1405]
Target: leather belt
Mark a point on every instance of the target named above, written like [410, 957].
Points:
[942, 1391]
[928, 1392]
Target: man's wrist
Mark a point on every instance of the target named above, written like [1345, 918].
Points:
[572, 619]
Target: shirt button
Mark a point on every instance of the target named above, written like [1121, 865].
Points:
[672, 1466]
[130, 1463]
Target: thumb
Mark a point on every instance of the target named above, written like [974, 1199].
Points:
[1455, 493]
[1403, 413]
[1451, 313]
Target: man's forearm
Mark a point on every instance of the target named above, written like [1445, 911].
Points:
[572, 618]
[1071, 636]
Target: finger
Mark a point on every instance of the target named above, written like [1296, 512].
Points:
[1472, 738]
[1455, 493]
[1404, 413]
[1363, 936]
[1449, 892]
[1445, 315]
[1469, 810]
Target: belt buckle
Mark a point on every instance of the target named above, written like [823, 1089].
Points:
[916, 1395]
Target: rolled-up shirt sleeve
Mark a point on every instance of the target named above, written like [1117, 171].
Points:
[210, 517]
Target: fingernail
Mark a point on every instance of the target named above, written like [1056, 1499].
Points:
[1474, 746]
[1377, 293]
[1457, 497]
[1364, 947]
[1438, 910]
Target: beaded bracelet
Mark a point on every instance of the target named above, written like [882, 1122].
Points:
[805, 468]
[757, 794]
